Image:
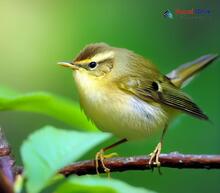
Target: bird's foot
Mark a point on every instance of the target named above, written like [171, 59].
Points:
[101, 157]
[154, 157]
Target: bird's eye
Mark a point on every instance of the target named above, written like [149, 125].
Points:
[92, 65]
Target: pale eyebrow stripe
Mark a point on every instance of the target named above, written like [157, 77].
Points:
[109, 60]
[103, 56]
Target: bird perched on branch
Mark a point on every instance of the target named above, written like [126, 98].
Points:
[125, 94]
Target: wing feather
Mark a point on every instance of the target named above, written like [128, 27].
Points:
[164, 93]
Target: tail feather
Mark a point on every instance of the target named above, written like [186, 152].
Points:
[181, 75]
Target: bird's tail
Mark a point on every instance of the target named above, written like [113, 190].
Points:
[184, 73]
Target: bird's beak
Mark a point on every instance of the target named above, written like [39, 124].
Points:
[69, 65]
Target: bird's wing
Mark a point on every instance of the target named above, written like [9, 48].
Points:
[163, 92]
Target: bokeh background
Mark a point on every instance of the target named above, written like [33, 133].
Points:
[35, 35]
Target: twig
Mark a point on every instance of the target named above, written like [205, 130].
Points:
[4, 151]
[5, 185]
[6, 166]
[120, 164]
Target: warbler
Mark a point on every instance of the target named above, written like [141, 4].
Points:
[124, 93]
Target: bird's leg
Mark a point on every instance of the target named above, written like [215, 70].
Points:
[100, 155]
[154, 156]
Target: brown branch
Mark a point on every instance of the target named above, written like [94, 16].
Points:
[120, 164]
[6, 166]
[5, 184]
[4, 151]
[8, 170]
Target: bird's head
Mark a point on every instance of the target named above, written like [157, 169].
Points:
[95, 60]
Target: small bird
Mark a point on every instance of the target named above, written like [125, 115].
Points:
[125, 94]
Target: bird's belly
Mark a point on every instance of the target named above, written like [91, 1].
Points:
[124, 115]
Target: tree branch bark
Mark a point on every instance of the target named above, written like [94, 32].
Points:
[120, 164]
[6, 166]
[8, 169]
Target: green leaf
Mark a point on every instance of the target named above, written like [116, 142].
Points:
[47, 104]
[95, 184]
[49, 149]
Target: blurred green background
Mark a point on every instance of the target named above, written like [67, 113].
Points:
[35, 35]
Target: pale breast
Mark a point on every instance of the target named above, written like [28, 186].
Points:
[119, 113]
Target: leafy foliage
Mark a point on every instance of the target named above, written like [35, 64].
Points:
[49, 149]
[94, 184]
[47, 104]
